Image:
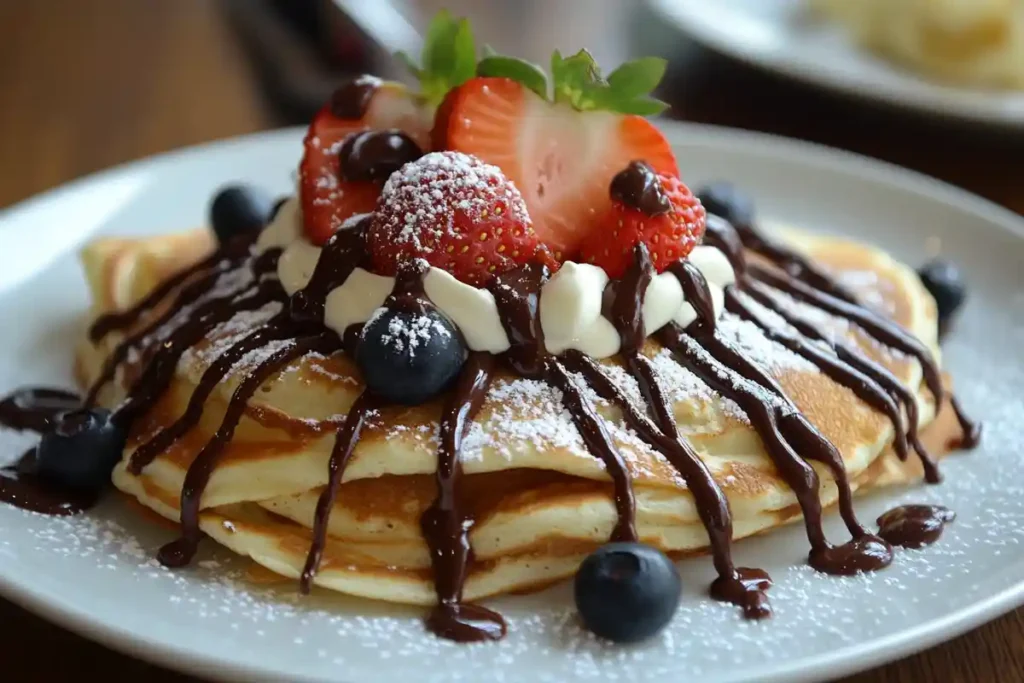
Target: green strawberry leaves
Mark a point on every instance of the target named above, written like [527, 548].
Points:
[521, 71]
[448, 57]
[578, 82]
[449, 60]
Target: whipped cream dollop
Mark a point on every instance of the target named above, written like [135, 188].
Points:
[570, 301]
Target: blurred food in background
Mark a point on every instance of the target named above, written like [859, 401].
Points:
[967, 42]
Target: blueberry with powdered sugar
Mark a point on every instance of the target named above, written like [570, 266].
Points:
[409, 356]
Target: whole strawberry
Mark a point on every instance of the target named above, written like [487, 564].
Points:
[656, 209]
[455, 212]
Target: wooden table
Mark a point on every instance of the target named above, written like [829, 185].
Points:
[90, 84]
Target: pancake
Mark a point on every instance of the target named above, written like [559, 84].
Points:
[538, 500]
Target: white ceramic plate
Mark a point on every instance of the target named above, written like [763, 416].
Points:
[776, 35]
[96, 574]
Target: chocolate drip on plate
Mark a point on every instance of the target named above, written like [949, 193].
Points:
[21, 487]
[914, 526]
[445, 524]
[35, 409]
[180, 552]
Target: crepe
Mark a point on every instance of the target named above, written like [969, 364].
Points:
[539, 501]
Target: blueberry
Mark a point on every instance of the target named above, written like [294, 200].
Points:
[237, 210]
[81, 451]
[627, 592]
[945, 283]
[722, 199]
[408, 357]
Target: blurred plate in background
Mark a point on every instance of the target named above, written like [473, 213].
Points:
[776, 35]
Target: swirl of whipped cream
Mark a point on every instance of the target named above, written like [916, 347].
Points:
[570, 302]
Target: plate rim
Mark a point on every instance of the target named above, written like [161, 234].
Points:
[845, 660]
[924, 102]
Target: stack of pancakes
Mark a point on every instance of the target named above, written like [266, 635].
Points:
[539, 501]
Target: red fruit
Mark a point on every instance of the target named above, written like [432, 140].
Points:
[561, 159]
[669, 236]
[327, 201]
[457, 213]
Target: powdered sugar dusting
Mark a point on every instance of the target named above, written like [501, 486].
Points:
[424, 194]
[747, 338]
[525, 411]
[405, 333]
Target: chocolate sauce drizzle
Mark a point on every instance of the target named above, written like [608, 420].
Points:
[444, 524]
[790, 440]
[37, 410]
[914, 526]
[744, 587]
[181, 551]
[517, 295]
[344, 444]
[639, 187]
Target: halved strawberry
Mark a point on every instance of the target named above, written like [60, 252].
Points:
[327, 201]
[560, 158]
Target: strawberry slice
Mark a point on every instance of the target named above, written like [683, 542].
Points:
[561, 159]
[366, 103]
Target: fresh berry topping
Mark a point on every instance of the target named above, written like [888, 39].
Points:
[327, 200]
[81, 451]
[239, 210]
[409, 356]
[722, 199]
[669, 236]
[945, 283]
[456, 213]
[561, 159]
[627, 592]
[373, 155]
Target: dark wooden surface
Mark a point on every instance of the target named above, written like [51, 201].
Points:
[91, 83]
